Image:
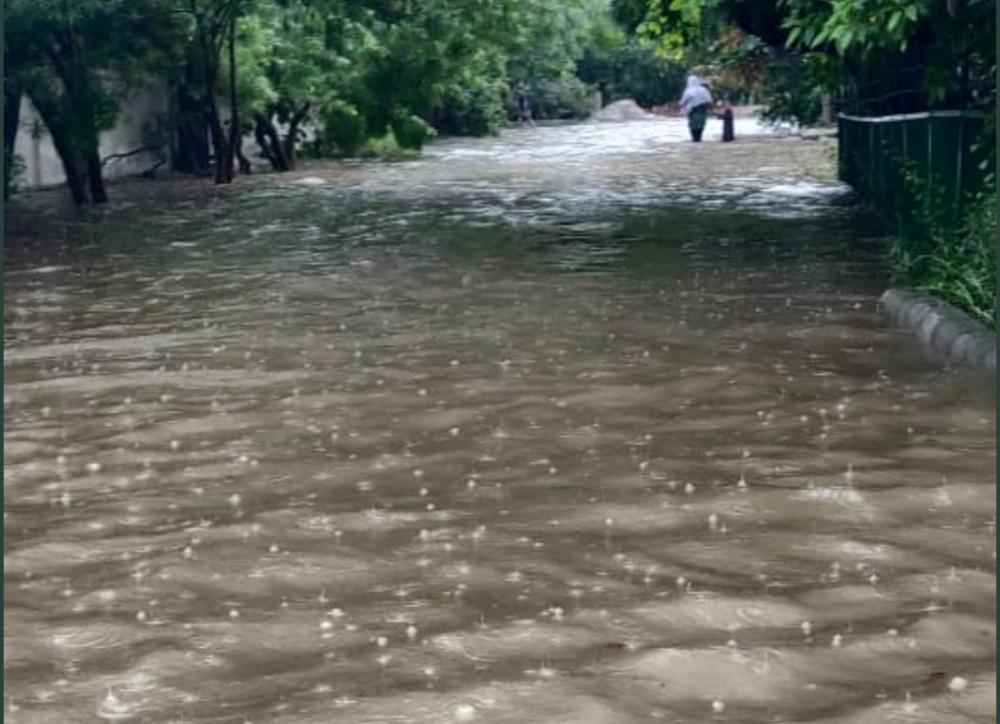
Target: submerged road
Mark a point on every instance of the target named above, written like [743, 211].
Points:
[584, 424]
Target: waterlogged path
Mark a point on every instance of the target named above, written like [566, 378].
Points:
[583, 425]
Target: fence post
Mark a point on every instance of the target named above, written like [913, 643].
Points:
[960, 151]
[871, 161]
[930, 153]
[841, 143]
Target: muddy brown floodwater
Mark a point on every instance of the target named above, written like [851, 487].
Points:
[581, 425]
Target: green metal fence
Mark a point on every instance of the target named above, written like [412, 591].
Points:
[944, 148]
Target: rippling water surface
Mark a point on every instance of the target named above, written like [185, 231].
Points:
[581, 425]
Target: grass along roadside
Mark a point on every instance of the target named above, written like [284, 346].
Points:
[953, 260]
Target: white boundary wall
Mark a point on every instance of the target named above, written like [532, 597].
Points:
[140, 112]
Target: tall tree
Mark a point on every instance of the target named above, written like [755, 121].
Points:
[76, 60]
[213, 24]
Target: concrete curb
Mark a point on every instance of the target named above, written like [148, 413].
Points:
[946, 331]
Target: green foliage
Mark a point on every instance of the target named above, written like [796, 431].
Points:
[873, 34]
[821, 42]
[632, 69]
[790, 91]
[350, 70]
[955, 261]
[543, 53]
[386, 148]
[77, 61]
[741, 61]
[865, 27]
[411, 131]
[682, 30]
[13, 171]
[473, 106]
[342, 131]
[565, 98]
[257, 43]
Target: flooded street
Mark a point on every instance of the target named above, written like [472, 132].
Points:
[582, 425]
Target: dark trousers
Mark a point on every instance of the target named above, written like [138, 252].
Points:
[696, 134]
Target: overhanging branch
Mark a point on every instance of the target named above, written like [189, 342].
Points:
[134, 152]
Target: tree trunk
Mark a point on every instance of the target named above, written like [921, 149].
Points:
[72, 164]
[223, 153]
[74, 179]
[193, 152]
[292, 136]
[289, 148]
[11, 117]
[223, 157]
[826, 109]
[245, 168]
[270, 145]
[235, 130]
[262, 141]
[98, 194]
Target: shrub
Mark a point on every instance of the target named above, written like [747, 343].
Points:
[13, 172]
[342, 130]
[956, 261]
[385, 148]
[475, 101]
[475, 106]
[790, 93]
[411, 131]
[566, 97]
[632, 70]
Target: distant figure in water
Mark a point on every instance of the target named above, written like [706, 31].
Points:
[725, 112]
[695, 104]
[523, 108]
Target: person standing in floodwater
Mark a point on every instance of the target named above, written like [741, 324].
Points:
[523, 108]
[695, 104]
[725, 112]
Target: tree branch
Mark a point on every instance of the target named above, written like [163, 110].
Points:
[300, 115]
[134, 152]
